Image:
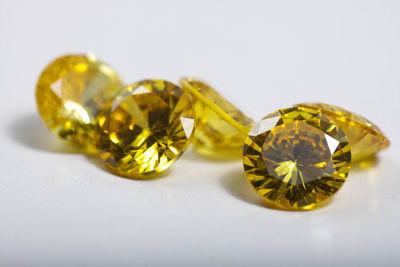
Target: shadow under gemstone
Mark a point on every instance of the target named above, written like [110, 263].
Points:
[29, 131]
[235, 183]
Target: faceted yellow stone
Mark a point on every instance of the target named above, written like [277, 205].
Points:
[364, 137]
[296, 158]
[221, 128]
[146, 128]
[70, 93]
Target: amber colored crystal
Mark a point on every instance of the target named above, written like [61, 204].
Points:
[70, 93]
[296, 158]
[146, 128]
[221, 127]
[365, 138]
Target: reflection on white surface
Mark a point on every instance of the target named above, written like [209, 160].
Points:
[371, 176]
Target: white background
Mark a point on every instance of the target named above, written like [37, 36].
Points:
[59, 208]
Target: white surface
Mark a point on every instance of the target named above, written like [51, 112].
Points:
[62, 209]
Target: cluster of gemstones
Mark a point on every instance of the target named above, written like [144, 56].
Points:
[137, 130]
[294, 158]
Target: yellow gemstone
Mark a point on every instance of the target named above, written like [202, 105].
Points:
[221, 128]
[146, 128]
[71, 92]
[296, 158]
[364, 137]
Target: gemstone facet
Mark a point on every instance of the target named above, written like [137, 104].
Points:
[296, 158]
[146, 128]
[221, 128]
[71, 92]
[364, 137]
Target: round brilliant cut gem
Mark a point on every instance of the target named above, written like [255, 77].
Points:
[71, 92]
[296, 158]
[146, 128]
